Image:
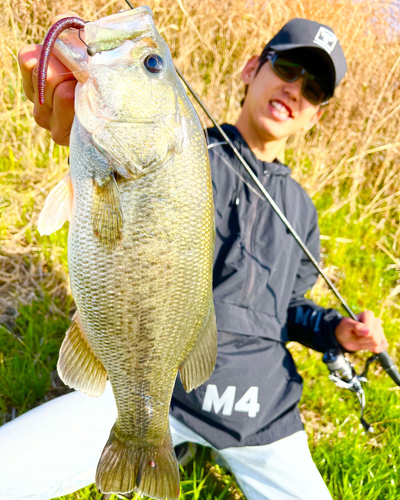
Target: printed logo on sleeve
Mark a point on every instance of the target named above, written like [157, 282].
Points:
[325, 39]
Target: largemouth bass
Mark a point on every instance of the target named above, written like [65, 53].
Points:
[140, 242]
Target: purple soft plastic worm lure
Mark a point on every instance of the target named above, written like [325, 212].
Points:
[49, 41]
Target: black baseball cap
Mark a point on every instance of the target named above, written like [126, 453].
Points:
[318, 43]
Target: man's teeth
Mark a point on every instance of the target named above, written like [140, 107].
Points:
[280, 107]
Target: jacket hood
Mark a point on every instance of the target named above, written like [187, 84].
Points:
[273, 168]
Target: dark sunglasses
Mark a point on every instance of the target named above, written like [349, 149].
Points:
[313, 88]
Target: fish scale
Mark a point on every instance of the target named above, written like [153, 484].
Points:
[140, 244]
[149, 284]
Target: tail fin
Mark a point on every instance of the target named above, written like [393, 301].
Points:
[149, 469]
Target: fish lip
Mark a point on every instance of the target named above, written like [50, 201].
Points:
[284, 104]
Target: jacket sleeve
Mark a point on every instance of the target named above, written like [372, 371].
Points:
[308, 323]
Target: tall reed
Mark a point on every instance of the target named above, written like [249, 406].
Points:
[351, 155]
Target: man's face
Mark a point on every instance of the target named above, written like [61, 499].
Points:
[277, 109]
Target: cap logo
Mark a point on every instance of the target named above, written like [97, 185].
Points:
[325, 39]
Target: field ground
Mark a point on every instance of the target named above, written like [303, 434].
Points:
[354, 465]
[348, 163]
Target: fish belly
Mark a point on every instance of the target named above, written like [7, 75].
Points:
[143, 304]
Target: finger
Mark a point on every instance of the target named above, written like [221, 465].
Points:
[366, 316]
[57, 73]
[373, 344]
[366, 344]
[361, 329]
[357, 328]
[382, 346]
[63, 114]
[28, 57]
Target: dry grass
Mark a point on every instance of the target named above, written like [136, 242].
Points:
[352, 152]
[351, 157]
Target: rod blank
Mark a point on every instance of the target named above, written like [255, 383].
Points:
[384, 357]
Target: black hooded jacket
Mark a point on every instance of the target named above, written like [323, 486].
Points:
[260, 278]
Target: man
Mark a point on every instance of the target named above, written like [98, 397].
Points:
[248, 409]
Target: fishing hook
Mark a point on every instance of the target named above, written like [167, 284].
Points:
[90, 49]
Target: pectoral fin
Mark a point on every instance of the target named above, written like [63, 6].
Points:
[200, 362]
[140, 147]
[78, 366]
[107, 212]
[57, 207]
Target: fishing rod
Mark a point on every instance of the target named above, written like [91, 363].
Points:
[341, 371]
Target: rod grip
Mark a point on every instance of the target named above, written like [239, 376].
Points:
[389, 366]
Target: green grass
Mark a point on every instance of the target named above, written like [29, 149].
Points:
[28, 357]
[353, 464]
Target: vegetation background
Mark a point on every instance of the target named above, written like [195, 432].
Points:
[349, 164]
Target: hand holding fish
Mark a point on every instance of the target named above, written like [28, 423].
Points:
[57, 113]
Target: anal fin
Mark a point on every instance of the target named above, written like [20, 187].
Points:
[107, 212]
[57, 207]
[78, 366]
[200, 362]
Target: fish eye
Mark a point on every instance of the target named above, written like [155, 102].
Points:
[154, 63]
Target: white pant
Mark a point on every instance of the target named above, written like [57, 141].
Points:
[53, 450]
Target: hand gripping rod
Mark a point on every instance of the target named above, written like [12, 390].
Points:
[384, 357]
